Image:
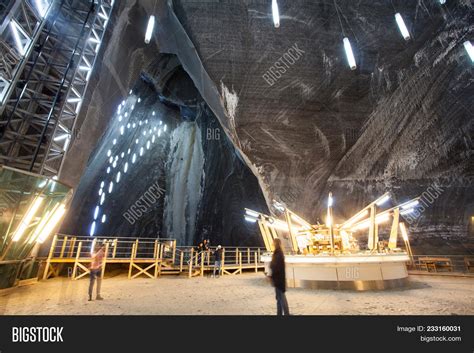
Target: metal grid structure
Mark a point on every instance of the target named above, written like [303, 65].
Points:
[58, 44]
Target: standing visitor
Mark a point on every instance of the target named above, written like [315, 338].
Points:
[278, 275]
[96, 270]
[206, 245]
[217, 261]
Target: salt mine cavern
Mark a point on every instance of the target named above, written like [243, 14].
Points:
[157, 142]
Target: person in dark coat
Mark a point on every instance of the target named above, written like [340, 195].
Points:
[278, 275]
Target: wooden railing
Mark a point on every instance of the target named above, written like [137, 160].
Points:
[145, 256]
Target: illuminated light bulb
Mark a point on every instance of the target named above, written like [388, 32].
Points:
[102, 185]
[103, 218]
[114, 141]
[102, 198]
[442, 2]
[356, 218]
[133, 106]
[26, 220]
[125, 167]
[114, 164]
[129, 150]
[111, 159]
[134, 158]
[383, 200]
[52, 222]
[139, 100]
[120, 118]
[250, 219]
[141, 151]
[134, 125]
[276, 14]
[149, 29]
[96, 212]
[153, 113]
[125, 114]
[108, 170]
[111, 186]
[252, 213]
[117, 179]
[330, 201]
[130, 92]
[470, 49]
[136, 141]
[100, 191]
[109, 153]
[153, 139]
[122, 154]
[404, 212]
[402, 27]
[92, 230]
[148, 145]
[349, 54]
[164, 128]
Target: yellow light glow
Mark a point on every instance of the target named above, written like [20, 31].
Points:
[52, 222]
[328, 220]
[41, 225]
[25, 222]
[345, 239]
[300, 220]
[404, 231]
[356, 218]
[365, 224]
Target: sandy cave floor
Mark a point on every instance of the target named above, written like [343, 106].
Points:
[247, 294]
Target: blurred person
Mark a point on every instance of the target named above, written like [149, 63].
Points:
[217, 261]
[97, 257]
[278, 276]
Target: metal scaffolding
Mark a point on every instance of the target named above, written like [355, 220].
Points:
[48, 53]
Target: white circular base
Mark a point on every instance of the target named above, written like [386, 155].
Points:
[358, 272]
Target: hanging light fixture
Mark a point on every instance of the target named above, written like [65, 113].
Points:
[347, 44]
[349, 54]
[276, 14]
[401, 26]
[149, 29]
[470, 49]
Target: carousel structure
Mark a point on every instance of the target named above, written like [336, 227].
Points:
[339, 255]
